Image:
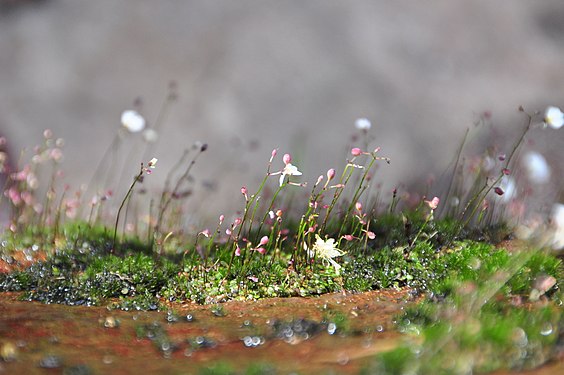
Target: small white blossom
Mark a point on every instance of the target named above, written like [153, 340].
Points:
[152, 163]
[362, 124]
[554, 117]
[132, 121]
[289, 170]
[537, 168]
[557, 216]
[150, 135]
[326, 251]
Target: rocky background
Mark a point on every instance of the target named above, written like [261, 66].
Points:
[251, 76]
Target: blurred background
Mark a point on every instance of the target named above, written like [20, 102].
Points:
[251, 76]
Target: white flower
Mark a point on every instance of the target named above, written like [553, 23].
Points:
[557, 216]
[132, 121]
[554, 117]
[362, 124]
[150, 135]
[537, 168]
[289, 170]
[326, 251]
[151, 164]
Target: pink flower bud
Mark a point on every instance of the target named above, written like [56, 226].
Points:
[356, 151]
[272, 155]
[319, 179]
[279, 213]
[330, 174]
[287, 159]
[261, 250]
[263, 241]
[221, 218]
[348, 237]
[237, 251]
[244, 190]
[371, 235]
[433, 203]
[499, 191]
[358, 206]
[506, 171]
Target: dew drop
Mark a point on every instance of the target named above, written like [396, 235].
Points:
[50, 361]
[342, 359]
[546, 329]
[248, 341]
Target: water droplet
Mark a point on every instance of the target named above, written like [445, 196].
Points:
[108, 359]
[166, 346]
[171, 317]
[342, 359]
[124, 290]
[379, 328]
[331, 328]
[111, 322]
[520, 337]
[190, 318]
[546, 329]
[248, 341]
[50, 361]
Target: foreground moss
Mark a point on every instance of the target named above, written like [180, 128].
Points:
[481, 311]
[82, 270]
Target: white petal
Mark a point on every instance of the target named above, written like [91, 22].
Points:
[537, 168]
[150, 135]
[554, 117]
[557, 215]
[132, 121]
[362, 124]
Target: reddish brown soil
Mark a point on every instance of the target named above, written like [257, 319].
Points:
[77, 335]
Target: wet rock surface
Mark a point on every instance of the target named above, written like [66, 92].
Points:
[85, 340]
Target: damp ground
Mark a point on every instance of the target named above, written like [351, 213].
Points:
[335, 333]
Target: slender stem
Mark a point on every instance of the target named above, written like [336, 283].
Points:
[137, 178]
